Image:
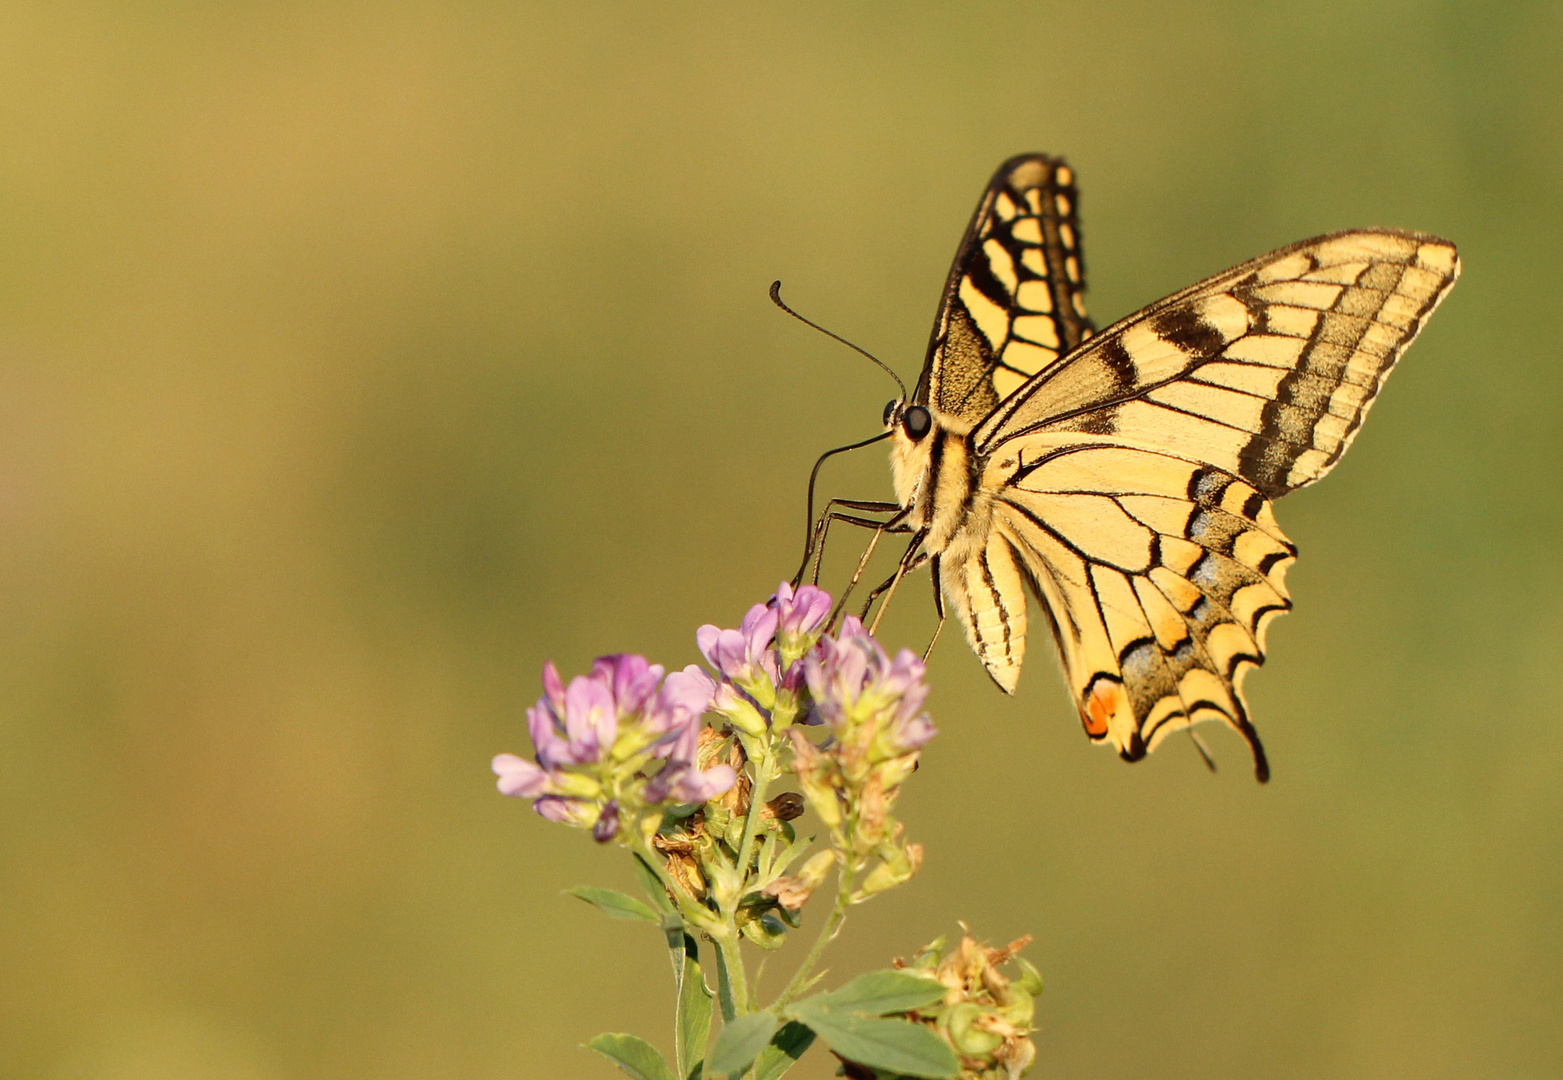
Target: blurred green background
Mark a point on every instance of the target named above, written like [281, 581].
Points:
[354, 359]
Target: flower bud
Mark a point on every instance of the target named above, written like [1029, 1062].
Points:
[895, 868]
[818, 866]
[1030, 979]
[607, 826]
[576, 785]
[738, 711]
[882, 877]
[801, 618]
[822, 800]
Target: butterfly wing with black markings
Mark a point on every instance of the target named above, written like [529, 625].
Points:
[1131, 481]
[1266, 371]
[1014, 300]
[1159, 574]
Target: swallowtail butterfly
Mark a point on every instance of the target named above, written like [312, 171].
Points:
[1125, 478]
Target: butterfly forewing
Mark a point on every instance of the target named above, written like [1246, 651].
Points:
[1014, 300]
[1265, 371]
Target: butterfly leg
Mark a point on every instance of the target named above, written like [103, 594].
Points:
[850, 519]
[912, 559]
[811, 526]
[938, 606]
[815, 548]
[868, 552]
[1199, 744]
[893, 525]
[879, 589]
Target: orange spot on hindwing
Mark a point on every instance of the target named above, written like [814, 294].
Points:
[1102, 700]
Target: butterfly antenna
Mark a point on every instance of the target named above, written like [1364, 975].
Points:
[779, 302]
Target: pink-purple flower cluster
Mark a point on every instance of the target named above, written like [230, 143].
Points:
[626, 738]
[851, 679]
[596, 737]
[764, 656]
[872, 707]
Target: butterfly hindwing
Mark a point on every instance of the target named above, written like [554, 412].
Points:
[987, 588]
[1265, 371]
[1160, 573]
[1013, 302]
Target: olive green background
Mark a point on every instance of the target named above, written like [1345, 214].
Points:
[355, 359]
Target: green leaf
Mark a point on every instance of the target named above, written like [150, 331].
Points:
[724, 989]
[694, 1015]
[887, 991]
[897, 1046]
[679, 812]
[634, 1055]
[740, 1043]
[678, 941]
[614, 904]
[653, 887]
[783, 1051]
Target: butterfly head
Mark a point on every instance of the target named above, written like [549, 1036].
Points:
[927, 458]
[914, 421]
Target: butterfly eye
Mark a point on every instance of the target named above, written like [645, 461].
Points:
[916, 422]
[889, 412]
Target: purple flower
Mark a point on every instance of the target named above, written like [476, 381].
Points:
[682, 782]
[567, 811]
[743, 655]
[872, 707]
[800, 616]
[594, 735]
[853, 682]
[519, 777]
[630, 678]
[607, 826]
[685, 697]
[761, 658]
[577, 724]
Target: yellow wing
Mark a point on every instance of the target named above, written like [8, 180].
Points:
[1159, 573]
[1265, 371]
[1013, 302]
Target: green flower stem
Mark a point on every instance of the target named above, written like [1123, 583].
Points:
[828, 931]
[732, 958]
[763, 760]
[764, 767]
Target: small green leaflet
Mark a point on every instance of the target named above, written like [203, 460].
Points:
[879, 992]
[880, 1042]
[634, 1055]
[694, 1014]
[785, 1048]
[654, 890]
[851, 1020]
[740, 1043]
[614, 904]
